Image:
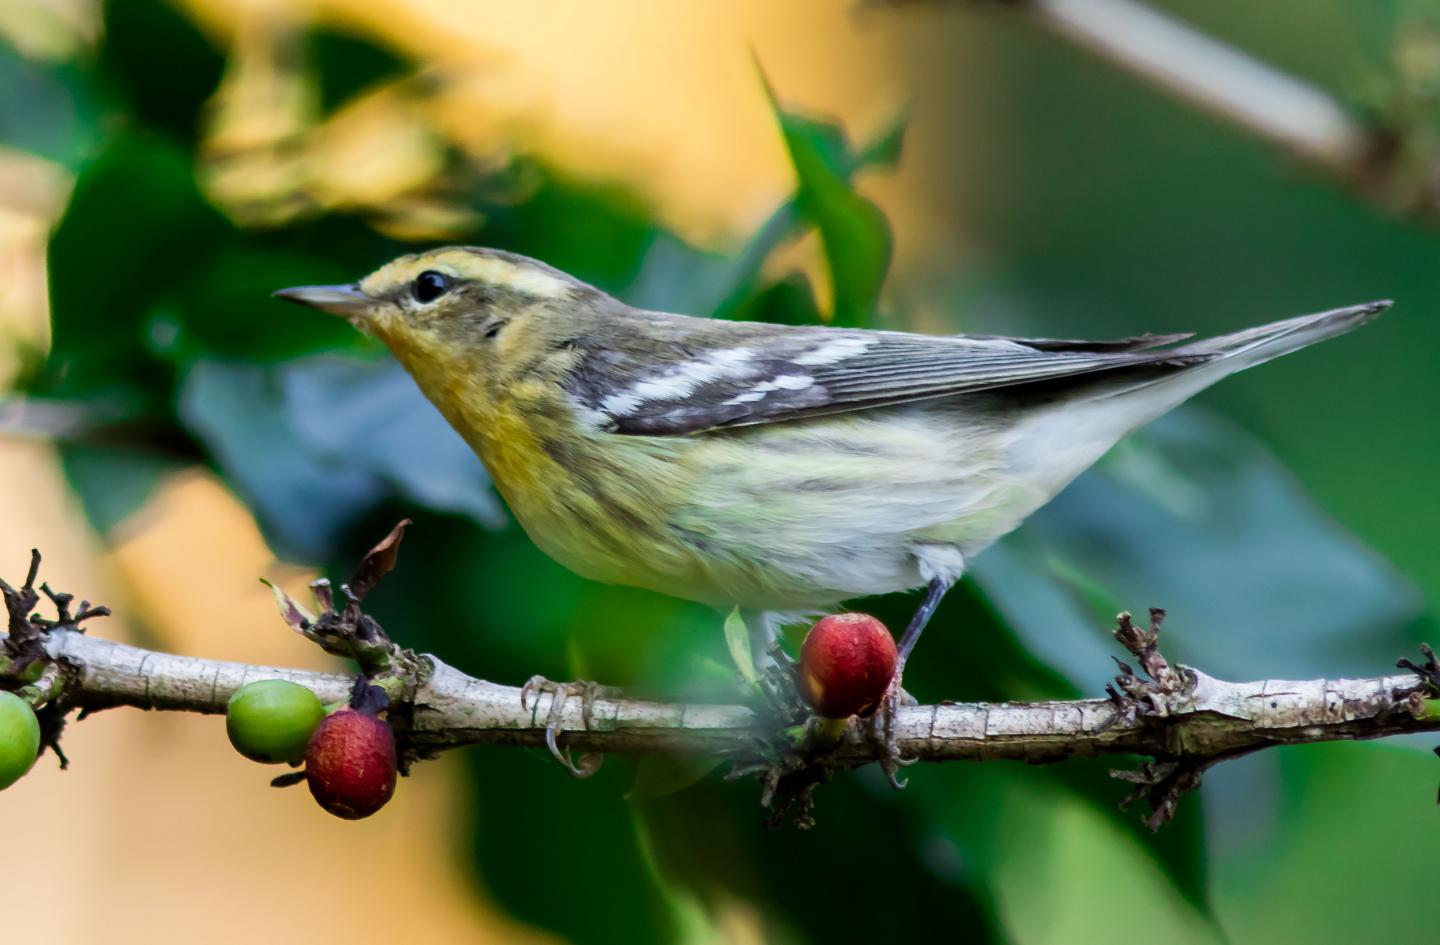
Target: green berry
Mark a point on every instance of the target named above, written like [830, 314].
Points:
[19, 738]
[271, 721]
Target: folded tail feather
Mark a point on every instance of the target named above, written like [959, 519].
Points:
[1257, 345]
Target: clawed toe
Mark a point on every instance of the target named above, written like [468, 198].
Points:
[891, 761]
[560, 693]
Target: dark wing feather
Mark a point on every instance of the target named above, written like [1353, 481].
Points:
[1135, 343]
[691, 375]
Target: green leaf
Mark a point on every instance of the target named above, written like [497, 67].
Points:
[1324, 843]
[224, 307]
[740, 298]
[853, 231]
[1064, 872]
[737, 638]
[786, 301]
[1056, 866]
[885, 149]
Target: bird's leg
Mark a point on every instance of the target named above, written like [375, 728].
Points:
[892, 762]
[763, 628]
[560, 693]
[934, 593]
[773, 668]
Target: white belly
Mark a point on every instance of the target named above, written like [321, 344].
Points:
[850, 506]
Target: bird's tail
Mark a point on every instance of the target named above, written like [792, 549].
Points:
[1243, 349]
[1199, 364]
[1056, 443]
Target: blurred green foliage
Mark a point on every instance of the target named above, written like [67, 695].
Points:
[164, 335]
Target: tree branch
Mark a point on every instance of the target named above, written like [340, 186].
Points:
[1183, 719]
[1211, 718]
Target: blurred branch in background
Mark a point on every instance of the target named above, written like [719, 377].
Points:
[1283, 110]
[1386, 158]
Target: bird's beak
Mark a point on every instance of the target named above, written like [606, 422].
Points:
[345, 300]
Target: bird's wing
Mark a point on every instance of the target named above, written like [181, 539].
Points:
[686, 379]
[1135, 343]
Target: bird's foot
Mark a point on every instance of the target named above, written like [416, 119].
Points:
[883, 722]
[532, 695]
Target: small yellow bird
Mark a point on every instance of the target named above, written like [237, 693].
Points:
[781, 469]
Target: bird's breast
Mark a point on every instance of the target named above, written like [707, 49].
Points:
[600, 504]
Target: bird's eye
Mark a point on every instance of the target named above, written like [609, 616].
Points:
[429, 286]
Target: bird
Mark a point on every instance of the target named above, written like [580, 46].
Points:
[780, 469]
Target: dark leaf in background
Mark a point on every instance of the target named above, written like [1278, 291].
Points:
[868, 871]
[316, 445]
[302, 502]
[566, 860]
[347, 64]
[1195, 517]
[112, 482]
[787, 301]
[662, 775]
[369, 415]
[548, 850]
[972, 652]
[676, 277]
[45, 108]
[160, 63]
[224, 306]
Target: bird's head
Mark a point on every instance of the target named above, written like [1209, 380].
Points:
[446, 303]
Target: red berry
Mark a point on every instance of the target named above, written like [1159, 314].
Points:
[350, 764]
[846, 664]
